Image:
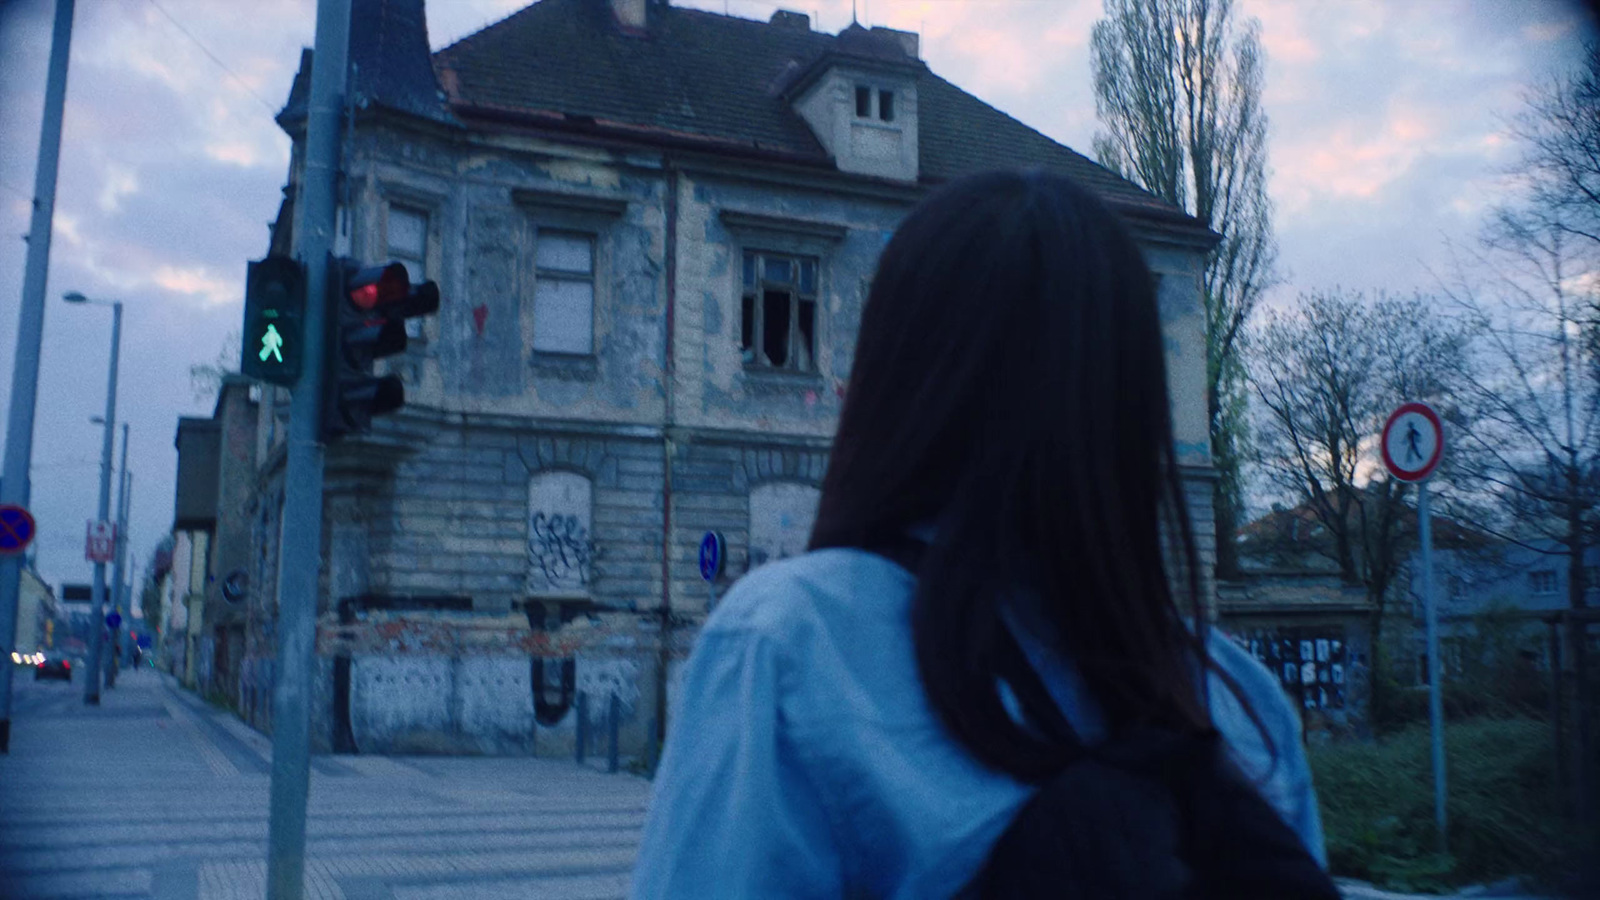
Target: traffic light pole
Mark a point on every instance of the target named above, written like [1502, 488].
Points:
[30, 332]
[300, 562]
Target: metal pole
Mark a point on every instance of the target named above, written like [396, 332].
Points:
[30, 331]
[116, 564]
[300, 559]
[583, 727]
[1556, 728]
[613, 715]
[97, 619]
[125, 587]
[1435, 670]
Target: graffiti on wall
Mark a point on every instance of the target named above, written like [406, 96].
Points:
[561, 552]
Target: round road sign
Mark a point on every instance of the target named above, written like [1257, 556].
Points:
[17, 529]
[711, 553]
[1413, 442]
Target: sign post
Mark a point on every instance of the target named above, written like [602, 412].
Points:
[712, 554]
[1412, 445]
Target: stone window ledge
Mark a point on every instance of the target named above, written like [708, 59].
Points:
[768, 382]
[565, 366]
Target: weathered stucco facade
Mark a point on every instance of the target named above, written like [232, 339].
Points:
[645, 335]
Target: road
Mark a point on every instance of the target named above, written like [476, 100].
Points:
[156, 795]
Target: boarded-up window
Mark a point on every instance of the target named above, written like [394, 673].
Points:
[781, 516]
[563, 294]
[560, 549]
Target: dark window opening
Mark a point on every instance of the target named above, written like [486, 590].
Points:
[863, 102]
[778, 312]
[886, 105]
[775, 327]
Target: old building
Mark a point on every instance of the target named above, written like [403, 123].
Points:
[212, 527]
[653, 229]
[37, 612]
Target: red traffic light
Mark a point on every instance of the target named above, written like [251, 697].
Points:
[377, 285]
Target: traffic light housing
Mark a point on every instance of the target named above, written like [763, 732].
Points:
[368, 308]
[274, 316]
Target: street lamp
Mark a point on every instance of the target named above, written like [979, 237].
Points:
[91, 688]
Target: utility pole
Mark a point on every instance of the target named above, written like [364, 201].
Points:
[97, 623]
[300, 559]
[30, 331]
[117, 600]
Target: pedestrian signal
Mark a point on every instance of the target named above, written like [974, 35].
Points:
[274, 308]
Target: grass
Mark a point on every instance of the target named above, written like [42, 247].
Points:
[1378, 815]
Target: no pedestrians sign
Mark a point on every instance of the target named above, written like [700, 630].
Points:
[1413, 442]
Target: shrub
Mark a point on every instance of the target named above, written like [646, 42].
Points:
[1377, 805]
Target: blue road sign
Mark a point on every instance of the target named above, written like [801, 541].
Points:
[113, 620]
[711, 553]
[16, 529]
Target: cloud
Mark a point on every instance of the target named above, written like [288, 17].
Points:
[117, 182]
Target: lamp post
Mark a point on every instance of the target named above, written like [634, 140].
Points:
[97, 619]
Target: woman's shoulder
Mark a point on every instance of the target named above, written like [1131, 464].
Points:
[820, 587]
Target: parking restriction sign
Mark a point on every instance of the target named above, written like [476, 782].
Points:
[101, 544]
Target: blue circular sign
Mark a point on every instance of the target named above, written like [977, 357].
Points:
[113, 620]
[711, 554]
[16, 529]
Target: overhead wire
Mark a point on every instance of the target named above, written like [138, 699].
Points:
[214, 58]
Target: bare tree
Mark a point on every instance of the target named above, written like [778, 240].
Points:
[1178, 91]
[1326, 374]
[1532, 290]
[1560, 134]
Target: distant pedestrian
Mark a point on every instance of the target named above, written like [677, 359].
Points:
[985, 677]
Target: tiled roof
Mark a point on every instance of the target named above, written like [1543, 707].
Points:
[718, 79]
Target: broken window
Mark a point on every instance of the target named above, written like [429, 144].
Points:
[886, 105]
[863, 102]
[778, 311]
[407, 237]
[563, 295]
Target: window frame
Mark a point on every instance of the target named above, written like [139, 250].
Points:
[784, 236]
[1537, 577]
[756, 294]
[545, 209]
[542, 274]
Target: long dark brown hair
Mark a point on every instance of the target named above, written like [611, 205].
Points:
[1009, 388]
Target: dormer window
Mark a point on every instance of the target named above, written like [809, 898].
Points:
[865, 108]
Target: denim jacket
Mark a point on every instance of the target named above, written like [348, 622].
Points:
[804, 759]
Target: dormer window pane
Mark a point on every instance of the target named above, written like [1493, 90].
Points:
[863, 101]
[886, 105]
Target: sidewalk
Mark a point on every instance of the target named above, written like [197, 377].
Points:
[156, 795]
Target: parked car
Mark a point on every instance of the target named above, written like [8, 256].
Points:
[53, 665]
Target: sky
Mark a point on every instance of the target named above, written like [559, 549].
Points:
[1389, 139]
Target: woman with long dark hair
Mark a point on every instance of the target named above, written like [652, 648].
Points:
[1002, 582]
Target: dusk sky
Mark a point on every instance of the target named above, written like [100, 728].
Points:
[1388, 141]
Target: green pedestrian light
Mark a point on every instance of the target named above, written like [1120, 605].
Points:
[271, 344]
[274, 308]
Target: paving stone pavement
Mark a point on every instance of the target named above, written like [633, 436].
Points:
[156, 795]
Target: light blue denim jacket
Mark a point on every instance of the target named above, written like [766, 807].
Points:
[804, 759]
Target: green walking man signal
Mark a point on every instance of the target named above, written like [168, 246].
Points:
[271, 343]
[274, 310]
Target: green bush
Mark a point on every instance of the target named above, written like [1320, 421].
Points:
[1377, 805]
